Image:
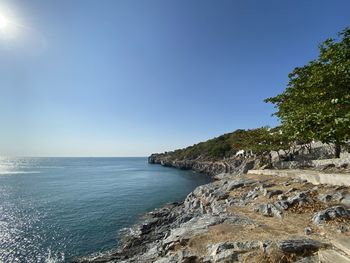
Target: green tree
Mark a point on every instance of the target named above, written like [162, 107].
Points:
[316, 102]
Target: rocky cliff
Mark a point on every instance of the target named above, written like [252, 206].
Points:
[234, 165]
[243, 218]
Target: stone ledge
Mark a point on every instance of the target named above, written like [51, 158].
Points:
[345, 159]
[326, 256]
[314, 177]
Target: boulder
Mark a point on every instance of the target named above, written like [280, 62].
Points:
[331, 196]
[300, 246]
[307, 230]
[270, 193]
[325, 198]
[234, 185]
[326, 256]
[269, 210]
[311, 259]
[229, 251]
[331, 213]
[299, 198]
[346, 200]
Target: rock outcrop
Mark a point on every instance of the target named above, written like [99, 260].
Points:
[239, 218]
[230, 165]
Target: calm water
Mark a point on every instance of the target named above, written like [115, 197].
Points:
[53, 209]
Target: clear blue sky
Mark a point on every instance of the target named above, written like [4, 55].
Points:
[128, 78]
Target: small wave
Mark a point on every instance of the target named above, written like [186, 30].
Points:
[54, 259]
[18, 172]
[94, 256]
[125, 231]
[50, 167]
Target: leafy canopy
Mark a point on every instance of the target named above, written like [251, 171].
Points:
[316, 102]
[258, 141]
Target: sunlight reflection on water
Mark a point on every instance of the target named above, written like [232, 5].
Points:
[54, 209]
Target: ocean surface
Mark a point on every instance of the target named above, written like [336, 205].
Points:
[55, 209]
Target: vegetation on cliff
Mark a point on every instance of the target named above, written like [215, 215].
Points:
[316, 102]
[314, 106]
[257, 141]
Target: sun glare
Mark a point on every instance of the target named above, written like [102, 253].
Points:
[3, 22]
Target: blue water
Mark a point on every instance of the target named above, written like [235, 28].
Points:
[54, 209]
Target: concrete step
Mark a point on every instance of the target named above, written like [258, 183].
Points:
[342, 244]
[331, 256]
[314, 177]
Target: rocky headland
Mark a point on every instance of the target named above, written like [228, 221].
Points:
[230, 165]
[242, 217]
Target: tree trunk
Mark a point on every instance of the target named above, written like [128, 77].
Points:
[337, 150]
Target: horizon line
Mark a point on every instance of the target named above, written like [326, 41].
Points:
[28, 156]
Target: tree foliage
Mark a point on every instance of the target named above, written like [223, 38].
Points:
[258, 141]
[316, 101]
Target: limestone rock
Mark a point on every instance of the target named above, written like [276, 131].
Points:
[270, 193]
[311, 259]
[326, 256]
[331, 213]
[269, 210]
[307, 230]
[299, 246]
[346, 200]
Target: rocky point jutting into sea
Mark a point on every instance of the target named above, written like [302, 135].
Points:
[246, 217]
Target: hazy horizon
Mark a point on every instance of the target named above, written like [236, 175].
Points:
[89, 78]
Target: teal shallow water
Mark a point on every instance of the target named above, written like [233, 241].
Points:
[54, 209]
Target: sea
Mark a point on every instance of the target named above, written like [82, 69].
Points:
[60, 209]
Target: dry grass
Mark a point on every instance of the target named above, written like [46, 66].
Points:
[264, 228]
[273, 257]
[313, 204]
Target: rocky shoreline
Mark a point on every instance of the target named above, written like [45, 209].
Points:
[241, 218]
[212, 168]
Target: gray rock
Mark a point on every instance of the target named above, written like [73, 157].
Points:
[291, 190]
[325, 198]
[193, 227]
[307, 230]
[182, 256]
[299, 198]
[331, 213]
[332, 196]
[326, 166]
[147, 226]
[282, 197]
[220, 195]
[217, 251]
[269, 210]
[207, 259]
[311, 259]
[246, 245]
[338, 196]
[229, 251]
[299, 246]
[344, 165]
[253, 193]
[270, 193]
[346, 200]
[234, 185]
[218, 248]
[343, 229]
[222, 176]
[267, 185]
[282, 205]
[226, 256]
[264, 209]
